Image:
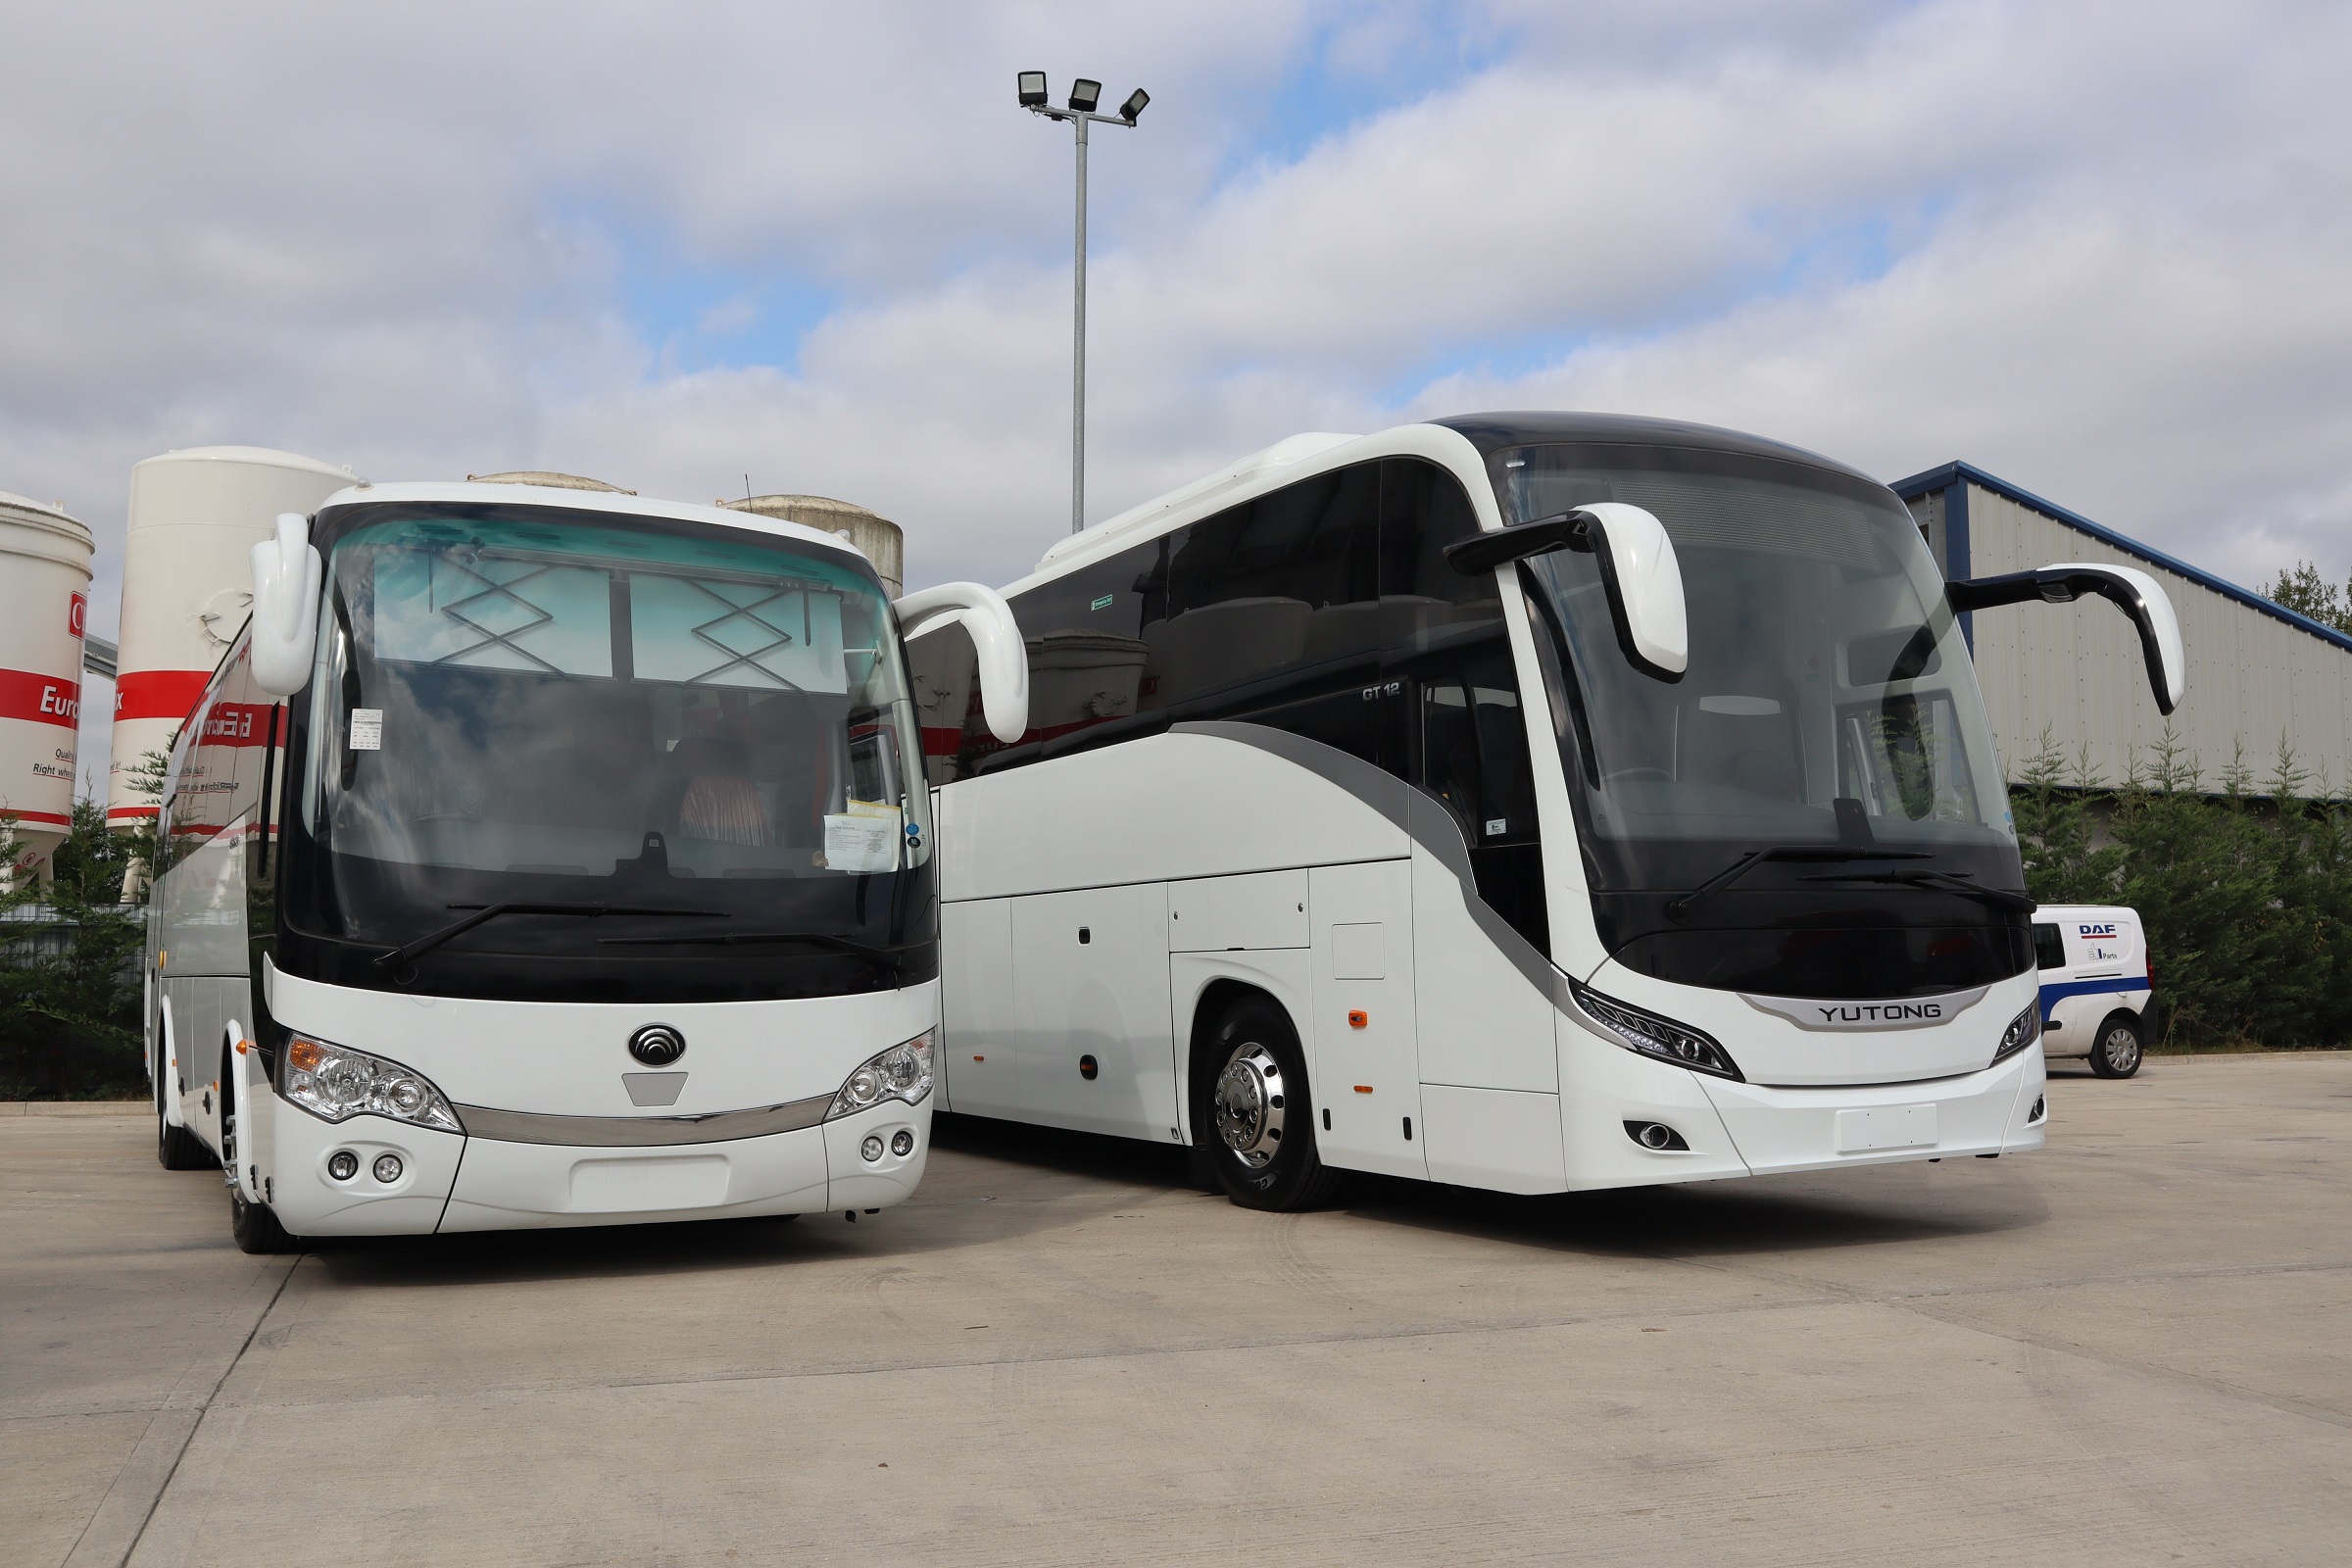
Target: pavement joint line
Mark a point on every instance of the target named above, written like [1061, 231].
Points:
[2280, 1404]
[1917, 1303]
[1825, 1296]
[101, 1553]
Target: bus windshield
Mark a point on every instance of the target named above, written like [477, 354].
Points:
[527, 705]
[1830, 707]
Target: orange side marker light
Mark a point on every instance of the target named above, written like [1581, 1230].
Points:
[979, 1058]
[1358, 1017]
[1363, 1089]
[244, 1046]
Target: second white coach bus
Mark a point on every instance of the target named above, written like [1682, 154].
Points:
[1533, 802]
[541, 857]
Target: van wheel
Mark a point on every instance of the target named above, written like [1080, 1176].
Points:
[2117, 1053]
[1258, 1121]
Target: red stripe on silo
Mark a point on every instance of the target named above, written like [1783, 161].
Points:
[43, 699]
[157, 693]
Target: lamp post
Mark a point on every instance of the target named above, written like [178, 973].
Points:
[1084, 96]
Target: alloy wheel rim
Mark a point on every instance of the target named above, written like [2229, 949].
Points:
[1248, 1104]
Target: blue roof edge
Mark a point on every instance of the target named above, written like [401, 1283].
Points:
[1950, 473]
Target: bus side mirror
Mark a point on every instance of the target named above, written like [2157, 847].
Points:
[2132, 591]
[286, 575]
[995, 639]
[1638, 569]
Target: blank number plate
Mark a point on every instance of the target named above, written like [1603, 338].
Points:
[1886, 1127]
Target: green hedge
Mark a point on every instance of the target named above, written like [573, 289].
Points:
[2246, 892]
[69, 985]
[2244, 885]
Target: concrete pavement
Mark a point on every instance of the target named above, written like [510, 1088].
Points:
[2133, 1348]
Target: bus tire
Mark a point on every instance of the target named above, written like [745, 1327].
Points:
[2118, 1049]
[252, 1226]
[257, 1230]
[176, 1148]
[1257, 1115]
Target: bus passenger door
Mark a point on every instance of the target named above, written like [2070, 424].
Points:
[977, 1033]
[1096, 1049]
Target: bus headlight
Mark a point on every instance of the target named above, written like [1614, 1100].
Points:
[2022, 1031]
[902, 1072]
[1647, 1034]
[336, 1083]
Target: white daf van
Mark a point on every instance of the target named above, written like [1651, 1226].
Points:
[2095, 981]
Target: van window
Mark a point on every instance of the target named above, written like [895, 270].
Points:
[2049, 947]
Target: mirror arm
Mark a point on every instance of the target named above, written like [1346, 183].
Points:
[2063, 585]
[1003, 657]
[1482, 552]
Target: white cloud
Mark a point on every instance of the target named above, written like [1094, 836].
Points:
[2097, 249]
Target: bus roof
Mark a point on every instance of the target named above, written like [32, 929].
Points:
[568, 500]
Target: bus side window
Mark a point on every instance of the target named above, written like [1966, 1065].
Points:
[1287, 581]
[1474, 756]
[1423, 509]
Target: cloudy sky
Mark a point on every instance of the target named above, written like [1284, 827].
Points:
[2104, 250]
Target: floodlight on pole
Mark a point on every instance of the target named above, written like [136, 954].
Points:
[1085, 95]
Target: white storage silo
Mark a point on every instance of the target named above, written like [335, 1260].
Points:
[879, 537]
[188, 584]
[44, 605]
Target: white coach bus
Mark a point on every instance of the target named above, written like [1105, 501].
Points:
[542, 856]
[1530, 801]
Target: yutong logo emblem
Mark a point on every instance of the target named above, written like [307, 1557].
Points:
[1909, 1012]
[656, 1044]
[1881, 1011]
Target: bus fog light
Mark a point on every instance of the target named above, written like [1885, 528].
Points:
[902, 1143]
[2022, 1031]
[387, 1168]
[902, 1072]
[342, 1165]
[872, 1148]
[1645, 1034]
[336, 1083]
[1657, 1137]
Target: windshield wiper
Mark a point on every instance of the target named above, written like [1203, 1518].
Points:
[1942, 881]
[1679, 909]
[886, 958]
[491, 911]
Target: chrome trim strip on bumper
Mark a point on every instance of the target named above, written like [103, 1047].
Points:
[637, 1132]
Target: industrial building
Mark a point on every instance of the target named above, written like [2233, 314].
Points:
[2258, 675]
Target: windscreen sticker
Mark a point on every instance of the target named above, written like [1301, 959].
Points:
[366, 729]
[863, 839]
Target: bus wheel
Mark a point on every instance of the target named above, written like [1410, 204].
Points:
[176, 1148]
[255, 1229]
[2117, 1051]
[1260, 1124]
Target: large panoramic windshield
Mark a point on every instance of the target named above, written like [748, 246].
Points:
[1830, 701]
[525, 705]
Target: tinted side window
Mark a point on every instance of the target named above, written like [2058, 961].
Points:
[1469, 730]
[2049, 947]
[1287, 581]
[1423, 509]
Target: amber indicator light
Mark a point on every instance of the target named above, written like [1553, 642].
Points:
[1358, 1019]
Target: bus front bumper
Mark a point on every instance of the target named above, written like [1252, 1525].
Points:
[1993, 1112]
[475, 1182]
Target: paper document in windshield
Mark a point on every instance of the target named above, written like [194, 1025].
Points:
[864, 838]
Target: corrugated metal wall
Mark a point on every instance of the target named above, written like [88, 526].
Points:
[2077, 668]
